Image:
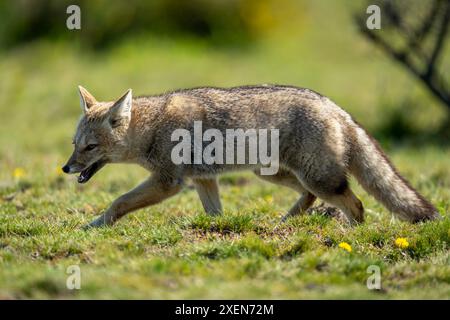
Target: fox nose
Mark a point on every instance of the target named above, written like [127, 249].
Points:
[66, 169]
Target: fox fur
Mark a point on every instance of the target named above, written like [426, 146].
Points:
[320, 145]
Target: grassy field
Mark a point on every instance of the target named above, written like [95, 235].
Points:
[173, 250]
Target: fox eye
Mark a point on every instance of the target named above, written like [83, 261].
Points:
[114, 122]
[91, 147]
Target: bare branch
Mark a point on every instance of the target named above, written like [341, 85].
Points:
[440, 40]
[423, 66]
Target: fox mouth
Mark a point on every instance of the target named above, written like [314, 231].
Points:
[88, 173]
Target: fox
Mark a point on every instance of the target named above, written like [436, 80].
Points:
[320, 146]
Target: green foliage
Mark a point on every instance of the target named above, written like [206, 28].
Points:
[225, 23]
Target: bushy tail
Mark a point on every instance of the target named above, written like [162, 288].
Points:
[378, 176]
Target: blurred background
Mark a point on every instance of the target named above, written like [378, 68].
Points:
[392, 80]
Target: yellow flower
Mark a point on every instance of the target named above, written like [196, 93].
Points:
[268, 198]
[345, 246]
[19, 173]
[402, 243]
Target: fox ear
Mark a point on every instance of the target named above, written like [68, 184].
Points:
[87, 100]
[122, 107]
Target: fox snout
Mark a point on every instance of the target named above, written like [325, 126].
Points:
[86, 170]
[72, 168]
[71, 165]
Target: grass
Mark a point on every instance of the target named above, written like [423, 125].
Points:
[173, 250]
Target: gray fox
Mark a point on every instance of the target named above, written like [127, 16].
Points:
[319, 146]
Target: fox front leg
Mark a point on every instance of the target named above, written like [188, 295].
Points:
[151, 191]
[208, 191]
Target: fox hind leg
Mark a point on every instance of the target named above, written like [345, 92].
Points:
[286, 178]
[283, 177]
[334, 190]
[350, 205]
[302, 204]
[208, 191]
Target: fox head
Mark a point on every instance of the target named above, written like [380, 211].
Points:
[101, 136]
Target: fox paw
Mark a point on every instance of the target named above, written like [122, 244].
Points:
[322, 209]
[97, 223]
[326, 210]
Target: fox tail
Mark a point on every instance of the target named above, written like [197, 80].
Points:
[378, 176]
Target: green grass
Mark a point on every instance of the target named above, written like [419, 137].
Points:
[173, 250]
